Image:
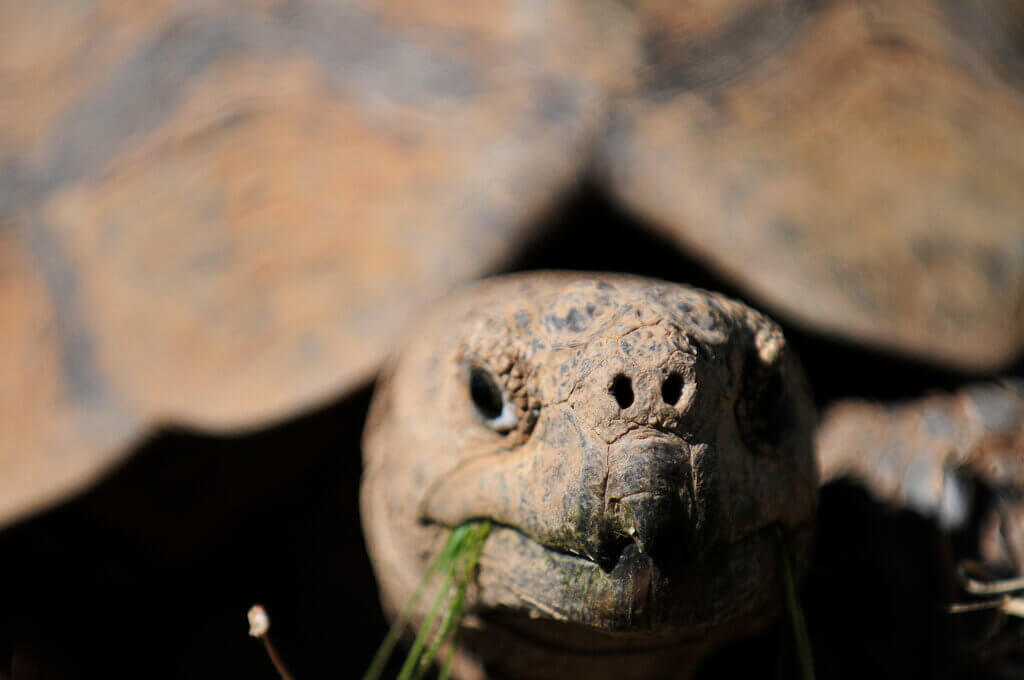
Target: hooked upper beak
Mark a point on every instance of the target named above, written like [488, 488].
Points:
[569, 491]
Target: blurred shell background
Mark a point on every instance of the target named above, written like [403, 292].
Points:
[216, 218]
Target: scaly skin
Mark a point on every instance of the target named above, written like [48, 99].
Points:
[929, 453]
[637, 520]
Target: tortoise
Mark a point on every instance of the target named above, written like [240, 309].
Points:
[638, 446]
[218, 215]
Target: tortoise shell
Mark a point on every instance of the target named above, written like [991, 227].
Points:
[218, 214]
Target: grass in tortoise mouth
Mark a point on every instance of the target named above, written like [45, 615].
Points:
[801, 638]
[455, 566]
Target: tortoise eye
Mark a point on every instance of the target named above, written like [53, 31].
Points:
[489, 400]
[764, 408]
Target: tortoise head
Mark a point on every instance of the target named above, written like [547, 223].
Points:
[636, 444]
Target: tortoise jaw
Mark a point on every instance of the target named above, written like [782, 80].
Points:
[639, 594]
[563, 611]
[569, 490]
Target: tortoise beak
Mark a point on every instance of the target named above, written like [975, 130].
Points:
[649, 496]
[569, 491]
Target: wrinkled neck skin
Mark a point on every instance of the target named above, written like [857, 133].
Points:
[636, 444]
[546, 651]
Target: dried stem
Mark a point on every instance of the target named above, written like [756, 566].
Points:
[259, 628]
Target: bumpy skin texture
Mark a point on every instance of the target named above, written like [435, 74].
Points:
[928, 454]
[627, 520]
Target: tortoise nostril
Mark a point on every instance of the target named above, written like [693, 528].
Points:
[672, 389]
[622, 390]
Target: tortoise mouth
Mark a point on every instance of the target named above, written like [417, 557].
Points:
[532, 586]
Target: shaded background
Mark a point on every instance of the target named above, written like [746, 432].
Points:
[223, 213]
[151, 572]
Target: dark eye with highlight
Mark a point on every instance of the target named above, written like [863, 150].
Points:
[489, 401]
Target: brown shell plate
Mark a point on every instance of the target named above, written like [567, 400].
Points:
[215, 213]
[855, 166]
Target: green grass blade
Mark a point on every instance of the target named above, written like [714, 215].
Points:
[452, 547]
[460, 577]
[455, 565]
[449, 659]
[446, 667]
[423, 633]
[801, 638]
